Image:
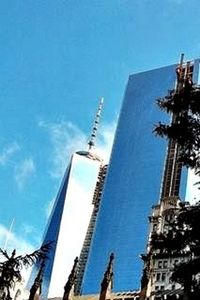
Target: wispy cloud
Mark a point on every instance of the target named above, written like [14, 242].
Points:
[104, 146]
[7, 152]
[23, 171]
[27, 229]
[67, 138]
[11, 241]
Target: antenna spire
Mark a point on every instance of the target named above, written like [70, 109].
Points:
[91, 142]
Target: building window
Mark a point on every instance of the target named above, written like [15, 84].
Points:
[163, 277]
[158, 276]
[176, 262]
[165, 264]
[160, 264]
[154, 227]
[162, 287]
[156, 288]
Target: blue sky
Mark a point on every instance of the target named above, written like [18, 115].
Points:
[56, 59]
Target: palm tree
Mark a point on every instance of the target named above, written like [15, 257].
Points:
[11, 267]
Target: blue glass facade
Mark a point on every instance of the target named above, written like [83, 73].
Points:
[133, 183]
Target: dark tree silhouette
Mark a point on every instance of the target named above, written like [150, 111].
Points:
[183, 239]
[185, 106]
[10, 268]
[184, 236]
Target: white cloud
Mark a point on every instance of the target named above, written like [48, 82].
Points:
[23, 171]
[10, 241]
[27, 229]
[8, 152]
[67, 138]
[104, 146]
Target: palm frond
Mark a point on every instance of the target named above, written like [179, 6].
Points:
[4, 253]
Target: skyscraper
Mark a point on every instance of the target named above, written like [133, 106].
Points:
[132, 183]
[69, 220]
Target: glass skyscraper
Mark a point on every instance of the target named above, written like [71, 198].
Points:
[70, 217]
[132, 183]
[76, 198]
[69, 221]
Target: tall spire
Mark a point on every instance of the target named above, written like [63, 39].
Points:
[106, 284]
[91, 142]
[37, 285]
[71, 280]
